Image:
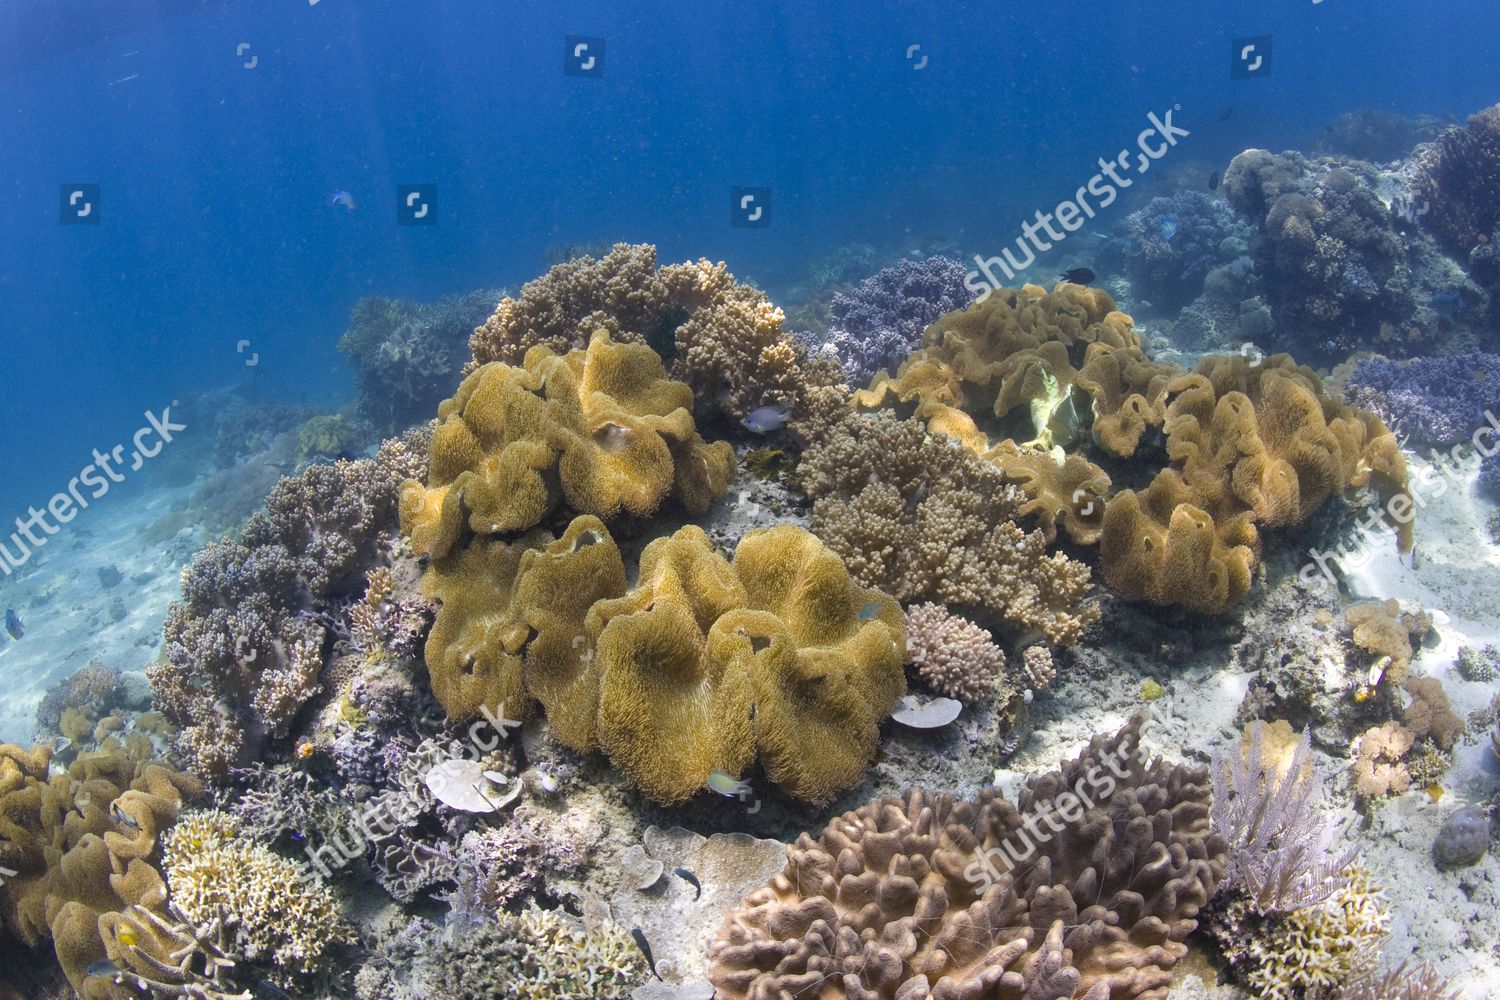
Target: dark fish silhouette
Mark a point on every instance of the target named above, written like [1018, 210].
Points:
[691, 880]
[1213, 181]
[13, 624]
[1078, 276]
[640, 942]
[1224, 114]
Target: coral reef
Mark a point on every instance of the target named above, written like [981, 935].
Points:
[243, 650]
[276, 911]
[1457, 178]
[328, 435]
[723, 338]
[1178, 240]
[407, 356]
[913, 515]
[1419, 982]
[893, 900]
[603, 430]
[953, 656]
[875, 326]
[1391, 757]
[1377, 135]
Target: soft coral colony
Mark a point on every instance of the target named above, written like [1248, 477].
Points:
[539, 555]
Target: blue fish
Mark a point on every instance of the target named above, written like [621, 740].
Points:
[342, 198]
[13, 624]
[765, 419]
[1168, 229]
[103, 967]
[1448, 303]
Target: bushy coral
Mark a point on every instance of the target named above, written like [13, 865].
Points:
[723, 338]
[915, 515]
[407, 356]
[276, 910]
[954, 656]
[880, 322]
[1377, 135]
[243, 649]
[1457, 178]
[602, 430]
[1178, 239]
[1405, 982]
[1430, 401]
[898, 898]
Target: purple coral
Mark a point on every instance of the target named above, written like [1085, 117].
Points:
[880, 323]
[1457, 182]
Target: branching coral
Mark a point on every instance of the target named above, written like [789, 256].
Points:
[892, 901]
[1405, 982]
[914, 515]
[243, 650]
[1458, 179]
[601, 429]
[880, 322]
[407, 356]
[725, 339]
[953, 655]
[276, 910]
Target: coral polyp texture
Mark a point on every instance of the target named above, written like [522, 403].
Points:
[602, 430]
[900, 899]
[1458, 180]
[953, 655]
[663, 677]
[724, 339]
[1249, 444]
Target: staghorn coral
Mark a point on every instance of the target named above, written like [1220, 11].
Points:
[877, 324]
[243, 649]
[407, 355]
[277, 911]
[916, 516]
[603, 430]
[893, 901]
[954, 656]
[723, 338]
[80, 845]
[1281, 855]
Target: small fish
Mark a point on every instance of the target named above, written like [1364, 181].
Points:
[1213, 181]
[869, 612]
[765, 419]
[641, 943]
[1078, 276]
[1225, 113]
[122, 817]
[752, 711]
[1168, 229]
[691, 880]
[13, 624]
[125, 936]
[103, 967]
[270, 989]
[727, 785]
[342, 198]
[1448, 303]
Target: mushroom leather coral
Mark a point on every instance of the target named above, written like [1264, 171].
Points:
[603, 429]
[896, 900]
[81, 842]
[705, 665]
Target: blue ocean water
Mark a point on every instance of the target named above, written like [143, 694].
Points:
[217, 132]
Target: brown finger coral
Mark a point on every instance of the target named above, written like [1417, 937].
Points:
[725, 339]
[906, 898]
[602, 429]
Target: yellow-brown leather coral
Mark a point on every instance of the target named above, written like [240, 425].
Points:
[602, 429]
[508, 608]
[80, 842]
[705, 665]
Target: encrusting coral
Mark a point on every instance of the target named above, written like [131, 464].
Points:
[603, 430]
[81, 845]
[723, 338]
[901, 898]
